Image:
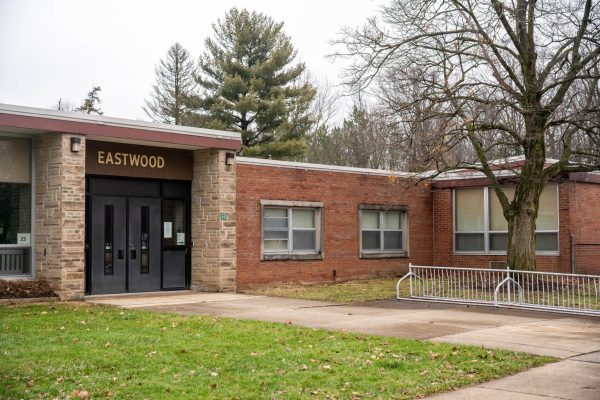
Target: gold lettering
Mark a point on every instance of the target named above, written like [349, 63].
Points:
[129, 159]
[134, 159]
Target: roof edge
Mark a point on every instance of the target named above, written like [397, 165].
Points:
[116, 122]
[321, 167]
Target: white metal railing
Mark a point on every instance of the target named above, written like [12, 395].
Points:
[570, 293]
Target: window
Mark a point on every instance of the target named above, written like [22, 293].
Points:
[291, 230]
[480, 226]
[382, 232]
[15, 206]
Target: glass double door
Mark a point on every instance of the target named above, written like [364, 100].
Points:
[124, 244]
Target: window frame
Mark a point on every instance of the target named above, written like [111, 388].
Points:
[290, 253]
[31, 247]
[381, 252]
[487, 192]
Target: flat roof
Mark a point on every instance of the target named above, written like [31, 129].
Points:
[99, 126]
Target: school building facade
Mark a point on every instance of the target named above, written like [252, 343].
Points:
[99, 205]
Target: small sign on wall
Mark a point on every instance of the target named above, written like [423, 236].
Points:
[222, 216]
[24, 239]
[167, 230]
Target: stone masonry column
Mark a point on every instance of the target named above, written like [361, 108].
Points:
[60, 214]
[214, 251]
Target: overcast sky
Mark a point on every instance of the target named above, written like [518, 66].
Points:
[59, 49]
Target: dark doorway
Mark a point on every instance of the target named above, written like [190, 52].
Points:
[137, 235]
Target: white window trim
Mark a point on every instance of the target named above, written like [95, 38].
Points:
[486, 232]
[382, 253]
[290, 254]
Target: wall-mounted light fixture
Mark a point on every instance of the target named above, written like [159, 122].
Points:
[229, 157]
[75, 144]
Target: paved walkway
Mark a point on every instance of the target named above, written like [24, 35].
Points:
[575, 340]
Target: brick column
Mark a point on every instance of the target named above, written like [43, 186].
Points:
[60, 214]
[214, 251]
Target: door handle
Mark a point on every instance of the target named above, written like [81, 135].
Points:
[132, 254]
[120, 254]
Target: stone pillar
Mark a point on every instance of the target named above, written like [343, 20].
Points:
[60, 214]
[214, 251]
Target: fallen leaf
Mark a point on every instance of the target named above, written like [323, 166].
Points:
[80, 394]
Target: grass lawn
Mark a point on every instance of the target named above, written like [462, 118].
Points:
[344, 292]
[359, 291]
[82, 351]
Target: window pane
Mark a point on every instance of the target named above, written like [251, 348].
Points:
[546, 241]
[497, 220]
[304, 240]
[392, 240]
[276, 218]
[392, 220]
[276, 245]
[370, 220]
[276, 234]
[371, 240]
[303, 218]
[15, 213]
[498, 241]
[276, 212]
[547, 213]
[469, 242]
[173, 212]
[15, 160]
[144, 240]
[469, 210]
[108, 239]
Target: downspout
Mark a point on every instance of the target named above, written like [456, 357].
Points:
[572, 250]
[433, 224]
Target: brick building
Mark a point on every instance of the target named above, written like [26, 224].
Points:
[104, 205]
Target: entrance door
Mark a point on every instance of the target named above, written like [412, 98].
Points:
[144, 246]
[108, 244]
[125, 245]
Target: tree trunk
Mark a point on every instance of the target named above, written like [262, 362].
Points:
[521, 239]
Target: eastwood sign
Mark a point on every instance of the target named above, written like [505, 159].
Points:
[134, 160]
[121, 159]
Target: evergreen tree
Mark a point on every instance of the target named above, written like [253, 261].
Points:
[252, 84]
[174, 85]
[91, 104]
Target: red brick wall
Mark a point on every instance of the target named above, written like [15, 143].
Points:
[586, 227]
[443, 235]
[341, 194]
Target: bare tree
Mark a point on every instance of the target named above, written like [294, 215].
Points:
[366, 138]
[63, 105]
[500, 77]
[174, 85]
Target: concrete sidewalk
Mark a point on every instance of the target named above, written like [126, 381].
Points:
[576, 340]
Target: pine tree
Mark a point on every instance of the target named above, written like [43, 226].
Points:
[252, 84]
[91, 103]
[174, 85]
